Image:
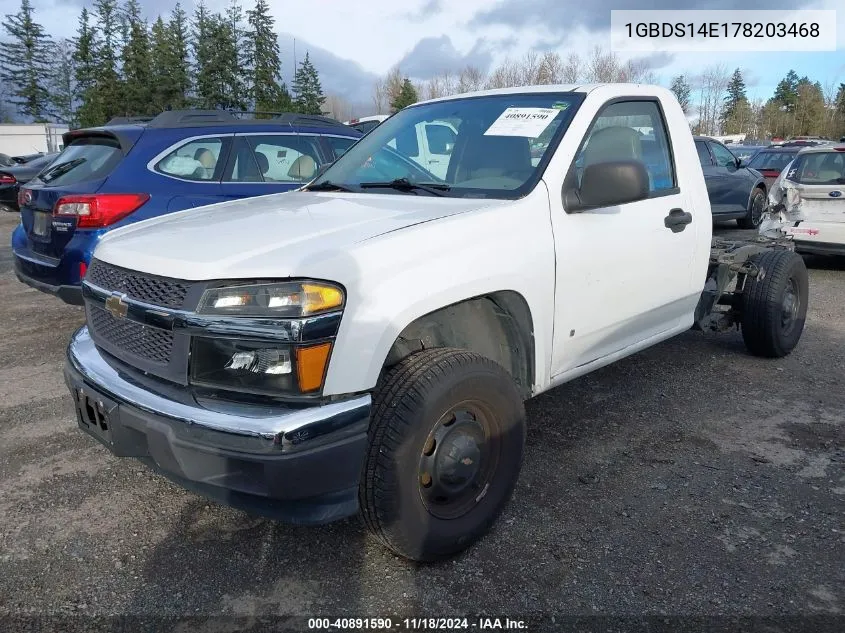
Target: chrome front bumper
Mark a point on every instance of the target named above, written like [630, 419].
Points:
[299, 464]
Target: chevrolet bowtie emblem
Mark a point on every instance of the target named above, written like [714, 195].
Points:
[116, 306]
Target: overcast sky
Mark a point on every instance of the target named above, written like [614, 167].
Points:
[352, 43]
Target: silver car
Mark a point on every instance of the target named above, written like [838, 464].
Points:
[812, 188]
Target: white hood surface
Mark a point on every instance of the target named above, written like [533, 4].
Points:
[275, 235]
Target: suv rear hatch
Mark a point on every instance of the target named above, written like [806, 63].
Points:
[820, 180]
[62, 197]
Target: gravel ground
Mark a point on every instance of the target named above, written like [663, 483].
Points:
[688, 480]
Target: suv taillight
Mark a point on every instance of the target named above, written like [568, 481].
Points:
[98, 210]
[21, 200]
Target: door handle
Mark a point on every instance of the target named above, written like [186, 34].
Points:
[677, 220]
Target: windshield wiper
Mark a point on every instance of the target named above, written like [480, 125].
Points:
[328, 186]
[56, 171]
[403, 184]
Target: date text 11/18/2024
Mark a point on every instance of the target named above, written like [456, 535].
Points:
[416, 624]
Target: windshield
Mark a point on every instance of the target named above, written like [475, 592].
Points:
[819, 168]
[494, 146]
[771, 160]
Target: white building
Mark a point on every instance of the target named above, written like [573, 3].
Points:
[18, 139]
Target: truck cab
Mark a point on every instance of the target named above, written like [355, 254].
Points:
[366, 343]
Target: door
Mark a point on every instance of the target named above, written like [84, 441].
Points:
[732, 187]
[622, 276]
[712, 178]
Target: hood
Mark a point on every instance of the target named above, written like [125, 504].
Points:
[269, 235]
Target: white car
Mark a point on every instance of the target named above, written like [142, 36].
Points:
[812, 190]
[365, 344]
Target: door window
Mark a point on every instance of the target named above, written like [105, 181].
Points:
[723, 155]
[195, 160]
[630, 130]
[339, 145]
[703, 154]
[441, 138]
[283, 158]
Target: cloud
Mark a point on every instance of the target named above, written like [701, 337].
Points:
[429, 9]
[560, 16]
[434, 55]
[655, 61]
[339, 76]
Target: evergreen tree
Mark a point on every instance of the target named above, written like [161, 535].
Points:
[306, 86]
[25, 63]
[85, 43]
[736, 111]
[203, 56]
[268, 92]
[682, 92]
[237, 55]
[218, 70]
[407, 96]
[786, 93]
[63, 83]
[85, 61]
[178, 38]
[106, 99]
[736, 90]
[162, 85]
[137, 88]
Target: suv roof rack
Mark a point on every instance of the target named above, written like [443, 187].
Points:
[196, 118]
[128, 120]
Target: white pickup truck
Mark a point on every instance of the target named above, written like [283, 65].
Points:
[365, 344]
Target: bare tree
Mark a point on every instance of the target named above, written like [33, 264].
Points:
[711, 85]
[380, 97]
[551, 69]
[470, 79]
[572, 71]
[506, 75]
[338, 108]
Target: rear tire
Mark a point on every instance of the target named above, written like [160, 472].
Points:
[756, 207]
[774, 304]
[446, 440]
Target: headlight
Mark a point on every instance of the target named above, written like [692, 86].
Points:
[283, 299]
[258, 367]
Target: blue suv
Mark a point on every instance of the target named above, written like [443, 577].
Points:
[130, 170]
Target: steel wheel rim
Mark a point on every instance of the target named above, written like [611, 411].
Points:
[458, 460]
[790, 307]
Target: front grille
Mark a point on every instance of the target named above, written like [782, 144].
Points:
[167, 293]
[143, 341]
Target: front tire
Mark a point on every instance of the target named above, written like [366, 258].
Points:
[446, 441]
[756, 207]
[774, 304]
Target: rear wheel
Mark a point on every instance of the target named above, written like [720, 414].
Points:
[756, 207]
[446, 441]
[774, 304]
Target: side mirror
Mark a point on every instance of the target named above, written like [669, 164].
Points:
[739, 162]
[608, 184]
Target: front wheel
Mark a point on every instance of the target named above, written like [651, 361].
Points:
[774, 303]
[756, 207]
[446, 440]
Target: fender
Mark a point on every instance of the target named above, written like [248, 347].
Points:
[450, 260]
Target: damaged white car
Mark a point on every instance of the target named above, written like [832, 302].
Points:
[807, 202]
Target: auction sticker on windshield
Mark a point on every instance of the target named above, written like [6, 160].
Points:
[528, 122]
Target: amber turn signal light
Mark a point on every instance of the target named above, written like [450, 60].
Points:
[311, 366]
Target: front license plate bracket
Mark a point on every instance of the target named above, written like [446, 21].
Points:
[94, 415]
